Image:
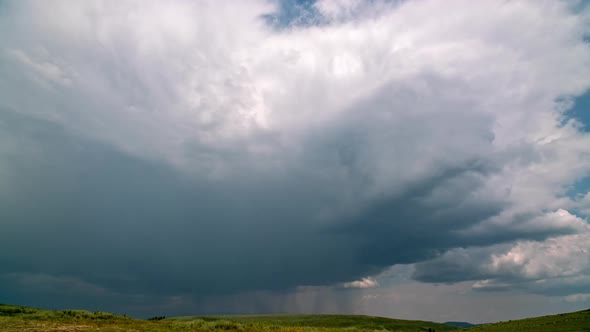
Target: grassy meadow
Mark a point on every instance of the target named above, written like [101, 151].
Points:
[573, 321]
[17, 318]
[321, 322]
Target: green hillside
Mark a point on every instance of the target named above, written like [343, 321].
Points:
[350, 322]
[16, 318]
[573, 321]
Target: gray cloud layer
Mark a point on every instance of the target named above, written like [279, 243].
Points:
[188, 149]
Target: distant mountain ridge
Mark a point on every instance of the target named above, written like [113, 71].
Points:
[460, 324]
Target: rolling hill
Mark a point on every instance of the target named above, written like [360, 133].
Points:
[573, 321]
[18, 318]
[350, 322]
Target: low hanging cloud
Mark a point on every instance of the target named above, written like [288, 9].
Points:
[193, 149]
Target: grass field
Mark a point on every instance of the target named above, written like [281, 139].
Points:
[573, 321]
[16, 318]
[328, 322]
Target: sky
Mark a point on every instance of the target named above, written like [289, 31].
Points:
[415, 159]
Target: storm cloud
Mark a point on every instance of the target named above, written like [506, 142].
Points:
[206, 150]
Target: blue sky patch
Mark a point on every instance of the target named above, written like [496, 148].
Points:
[581, 110]
[293, 13]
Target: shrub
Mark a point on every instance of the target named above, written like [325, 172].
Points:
[102, 315]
